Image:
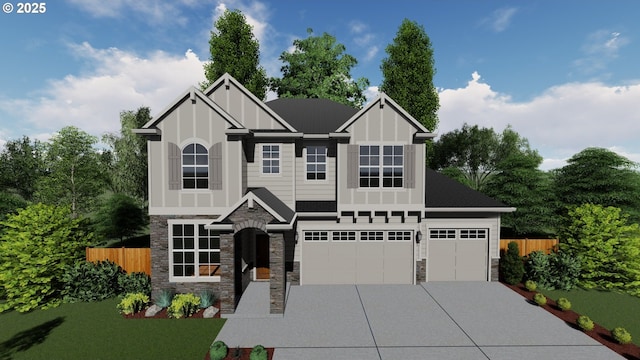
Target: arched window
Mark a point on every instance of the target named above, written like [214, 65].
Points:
[195, 167]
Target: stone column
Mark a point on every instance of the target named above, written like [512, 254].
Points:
[227, 274]
[421, 271]
[277, 281]
[495, 269]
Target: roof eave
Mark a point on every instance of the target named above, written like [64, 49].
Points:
[471, 209]
[147, 132]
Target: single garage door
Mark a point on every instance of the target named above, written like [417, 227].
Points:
[357, 257]
[458, 254]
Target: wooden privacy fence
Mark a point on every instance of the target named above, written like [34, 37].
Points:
[130, 259]
[527, 246]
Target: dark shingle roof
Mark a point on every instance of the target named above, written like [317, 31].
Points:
[312, 116]
[443, 192]
[273, 202]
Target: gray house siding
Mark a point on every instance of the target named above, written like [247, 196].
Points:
[282, 184]
[315, 189]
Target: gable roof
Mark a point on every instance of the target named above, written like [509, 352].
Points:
[271, 203]
[191, 93]
[313, 116]
[383, 99]
[226, 80]
[446, 194]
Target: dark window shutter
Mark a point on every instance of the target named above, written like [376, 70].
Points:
[352, 166]
[175, 167]
[215, 167]
[409, 166]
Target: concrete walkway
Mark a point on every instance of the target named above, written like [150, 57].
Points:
[468, 320]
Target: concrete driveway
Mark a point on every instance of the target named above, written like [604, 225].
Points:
[449, 320]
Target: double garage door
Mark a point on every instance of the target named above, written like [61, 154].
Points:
[357, 257]
[457, 255]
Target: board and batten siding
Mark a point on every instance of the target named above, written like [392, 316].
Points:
[193, 122]
[281, 185]
[381, 126]
[244, 109]
[308, 190]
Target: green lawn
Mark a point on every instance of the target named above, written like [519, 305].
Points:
[607, 308]
[98, 331]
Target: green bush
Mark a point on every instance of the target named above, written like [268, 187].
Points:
[135, 282]
[530, 285]
[565, 270]
[538, 269]
[585, 323]
[89, 281]
[133, 303]
[207, 298]
[511, 266]
[183, 305]
[621, 335]
[218, 350]
[258, 353]
[564, 304]
[36, 245]
[164, 298]
[540, 299]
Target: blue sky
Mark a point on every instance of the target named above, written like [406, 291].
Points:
[564, 74]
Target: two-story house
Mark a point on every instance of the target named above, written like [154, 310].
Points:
[305, 191]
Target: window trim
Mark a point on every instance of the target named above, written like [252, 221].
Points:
[315, 163]
[170, 251]
[270, 159]
[195, 165]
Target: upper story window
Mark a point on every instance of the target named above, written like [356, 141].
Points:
[271, 159]
[195, 167]
[376, 166]
[316, 162]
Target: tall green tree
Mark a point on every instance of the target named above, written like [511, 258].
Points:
[36, 245]
[128, 156]
[21, 165]
[76, 177]
[319, 68]
[119, 216]
[408, 73]
[608, 246]
[235, 50]
[600, 176]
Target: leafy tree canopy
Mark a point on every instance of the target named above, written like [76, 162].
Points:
[119, 216]
[319, 68]
[408, 73]
[21, 165]
[36, 245]
[235, 50]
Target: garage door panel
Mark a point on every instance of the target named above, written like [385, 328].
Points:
[441, 260]
[370, 263]
[398, 267]
[316, 263]
[342, 263]
[471, 265]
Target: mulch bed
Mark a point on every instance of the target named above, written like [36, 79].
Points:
[599, 333]
[163, 314]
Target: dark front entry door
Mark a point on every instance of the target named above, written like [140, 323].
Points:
[262, 257]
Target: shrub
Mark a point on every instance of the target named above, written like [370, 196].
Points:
[511, 266]
[530, 285]
[36, 245]
[621, 335]
[585, 323]
[207, 298]
[540, 299]
[164, 298]
[258, 353]
[537, 268]
[133, 303]
[565, 270]
[564, 304]
[218, 350]
[183, 305]
[135, 282]
[89, 281]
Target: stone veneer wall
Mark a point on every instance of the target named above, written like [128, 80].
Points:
[495, 269]
[421, 271]
[293, 276]
[159, 233]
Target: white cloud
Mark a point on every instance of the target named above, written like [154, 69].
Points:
[560, 122]
[154, 11]
[600, 48]
[371, 92]
[118, 80]
[500, 19]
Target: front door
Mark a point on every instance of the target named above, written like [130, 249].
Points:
[262, 257]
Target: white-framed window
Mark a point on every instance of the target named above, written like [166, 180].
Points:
[316, 236]
[399, 236]
[270, 159]
[194, 252]
[316, 162]
[442, 234]
[473, 233]
[386, 166]
[344, 236]
[371, 235]
[195, 167]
